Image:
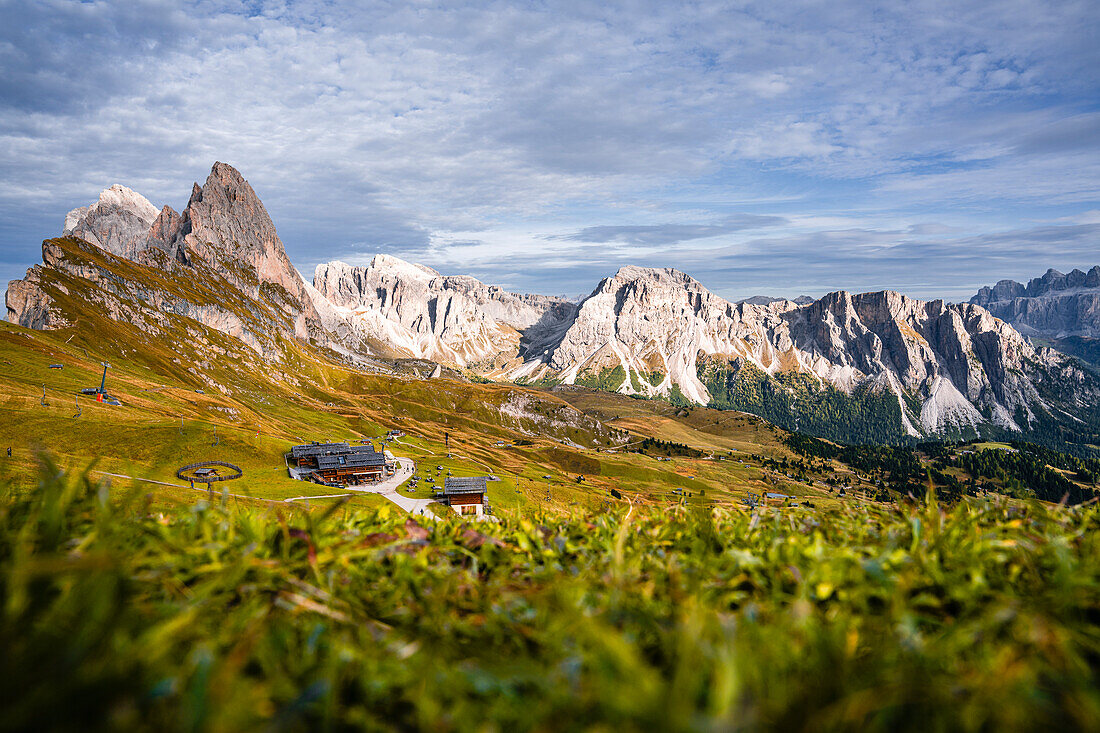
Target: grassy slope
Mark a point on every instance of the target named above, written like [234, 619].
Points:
[257, 409]
[255, 420]
[979, 617]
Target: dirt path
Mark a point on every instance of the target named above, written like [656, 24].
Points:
[216, 492]
[389, 489]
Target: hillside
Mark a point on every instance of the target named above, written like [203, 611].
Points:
[872, 367]
[1062, 310]
[196, 616]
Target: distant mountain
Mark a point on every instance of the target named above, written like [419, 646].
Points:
[1060, 310]
[876, 366]
[867, 367]
[412, 310]
[767, 299]
[1054, 305]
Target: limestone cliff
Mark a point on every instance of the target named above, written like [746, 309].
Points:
[1055, 305]
[415, 311]
[660, 332]
[220, 262]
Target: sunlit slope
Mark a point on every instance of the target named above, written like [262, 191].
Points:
[251, 419]
[192, 393]
[699, 427]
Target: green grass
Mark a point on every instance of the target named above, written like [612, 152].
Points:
[123, 612]
[991, 445]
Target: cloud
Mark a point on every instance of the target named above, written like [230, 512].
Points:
[793, 139]
[657, 234]
[1079, 132]
[637, 129]
[930, 260]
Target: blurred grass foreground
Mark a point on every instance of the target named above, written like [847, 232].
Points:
[123, 613]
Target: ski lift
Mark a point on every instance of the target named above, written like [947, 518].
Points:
[100, 392]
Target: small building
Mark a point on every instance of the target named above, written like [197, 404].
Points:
[305, 456]
[339, 464]
[352, 468]
[465, 494]
[206, 472]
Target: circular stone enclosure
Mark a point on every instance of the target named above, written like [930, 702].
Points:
[207, 472]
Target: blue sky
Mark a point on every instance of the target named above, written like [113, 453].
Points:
[774, 148]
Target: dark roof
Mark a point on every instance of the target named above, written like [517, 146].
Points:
[352, 460]
[464, 485]
[318, 449]
[328, 449]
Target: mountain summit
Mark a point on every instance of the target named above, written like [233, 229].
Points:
[236, 276]
[417, 312]
[854, 367]
[1056, 305]
[928, 367]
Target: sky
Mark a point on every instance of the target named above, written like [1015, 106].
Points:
[764, 148]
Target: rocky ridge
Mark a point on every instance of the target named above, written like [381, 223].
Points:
[1055, 305]
[224, 263]
[929, 368]
[658, 331]
[418, 312]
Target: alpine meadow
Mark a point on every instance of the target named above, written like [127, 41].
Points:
[632, 367]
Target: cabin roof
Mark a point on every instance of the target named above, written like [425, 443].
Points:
[328, 449]
[318, 449]
[464, 485]
[351, 460]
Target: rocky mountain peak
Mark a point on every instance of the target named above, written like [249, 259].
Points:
[1055, 305]
[223, 238]
[416, 311]
[118, 221]
[769, 299]
[226, 226]
[397, 267]
[667, 276]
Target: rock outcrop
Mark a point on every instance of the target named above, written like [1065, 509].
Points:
[227, 227]
[220, 262]
[415, 311]
[1055, 305]
[658, 332]
[118, 222]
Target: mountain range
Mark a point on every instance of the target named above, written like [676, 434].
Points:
[854, 367]
[1062, 310]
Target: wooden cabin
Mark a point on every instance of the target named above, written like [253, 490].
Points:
[353, 468]
[339, 464]
[305, 456]
[465, 494]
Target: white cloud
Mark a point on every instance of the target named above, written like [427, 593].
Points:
[785, 140]
[413, 127]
